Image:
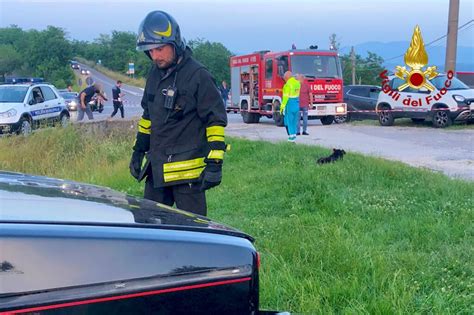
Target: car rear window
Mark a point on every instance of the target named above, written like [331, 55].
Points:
[359, 91]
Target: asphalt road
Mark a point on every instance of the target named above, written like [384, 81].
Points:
[131, 100]
[448, 151]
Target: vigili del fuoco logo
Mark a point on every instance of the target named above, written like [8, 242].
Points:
[415, 77]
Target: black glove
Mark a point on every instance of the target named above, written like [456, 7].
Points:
[212, 175]
[136, 163]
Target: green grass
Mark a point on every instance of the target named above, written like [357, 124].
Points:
[362, 235]
[407, 122]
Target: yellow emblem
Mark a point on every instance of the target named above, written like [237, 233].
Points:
[166, 33]
[416, 58]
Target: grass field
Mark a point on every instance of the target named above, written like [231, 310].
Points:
[359, 236]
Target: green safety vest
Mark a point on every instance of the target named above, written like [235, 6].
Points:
[291, 89]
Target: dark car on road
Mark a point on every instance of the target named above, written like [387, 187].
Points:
[71, 99]
[361, 101]
[73, 248]
[75, 65]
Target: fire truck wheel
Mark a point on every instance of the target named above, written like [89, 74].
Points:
[279, 121]
[327, 120]
[250, 118]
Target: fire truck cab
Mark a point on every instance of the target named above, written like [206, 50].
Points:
[257, 83]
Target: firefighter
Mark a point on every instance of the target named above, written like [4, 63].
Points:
[181, 131]
[290, 105]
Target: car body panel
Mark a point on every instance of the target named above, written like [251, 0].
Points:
[361, 100]
[69, 247]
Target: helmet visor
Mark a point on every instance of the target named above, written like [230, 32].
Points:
[148, 46]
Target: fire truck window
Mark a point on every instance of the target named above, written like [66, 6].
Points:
[282, 65]
[268, 69]
[316, 66]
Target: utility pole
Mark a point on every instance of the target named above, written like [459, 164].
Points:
[452, 40]
[353, 61]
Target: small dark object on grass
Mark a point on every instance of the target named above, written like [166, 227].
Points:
[336, 155]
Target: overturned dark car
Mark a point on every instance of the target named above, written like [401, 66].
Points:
[73, 248]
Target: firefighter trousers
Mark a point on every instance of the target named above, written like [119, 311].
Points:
[187, 197]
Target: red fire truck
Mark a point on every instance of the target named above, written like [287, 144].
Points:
[257, 83]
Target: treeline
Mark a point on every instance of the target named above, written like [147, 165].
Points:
[35, 53]
[47, 53]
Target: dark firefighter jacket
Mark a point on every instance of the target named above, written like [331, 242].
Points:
[179, 140]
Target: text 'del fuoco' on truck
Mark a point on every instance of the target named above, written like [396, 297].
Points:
[257, 83]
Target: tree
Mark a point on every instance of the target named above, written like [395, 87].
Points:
[36, 53]
[49, 55]
[367, 69]
[215, 56]
[10, 60]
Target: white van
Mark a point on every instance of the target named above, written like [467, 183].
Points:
[451, 100]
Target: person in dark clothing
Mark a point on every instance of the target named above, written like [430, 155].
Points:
[224, 92]
[85, 97]
[117, 99]
[181, 131]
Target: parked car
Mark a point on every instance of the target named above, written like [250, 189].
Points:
[24, 107]
[450, 101]
[71, 99]
[74, 248]
[361, 101]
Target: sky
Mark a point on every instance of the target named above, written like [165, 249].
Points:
[245, 26]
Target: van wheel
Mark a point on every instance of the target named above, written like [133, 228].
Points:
[385, 117]
[25, 127]
[327, 120]
[441, 119]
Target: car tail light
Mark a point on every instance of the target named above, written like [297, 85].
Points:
[258, 260]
